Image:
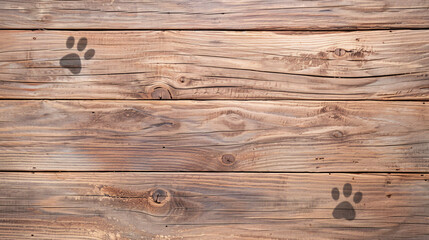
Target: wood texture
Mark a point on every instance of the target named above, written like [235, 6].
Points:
[214, 136]
[217, 14]
[210, 206]
[217, 65]
[314, 150]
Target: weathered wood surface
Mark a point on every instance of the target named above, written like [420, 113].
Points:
[215, 65]
[217, 14]
[211, 206]
[214, 136]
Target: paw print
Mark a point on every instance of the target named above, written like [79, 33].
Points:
[345, 209]
[72, 61]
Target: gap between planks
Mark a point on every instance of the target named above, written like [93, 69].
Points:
[214, 172]
[212, 30]
[214, 100]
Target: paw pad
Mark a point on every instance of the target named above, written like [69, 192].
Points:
[345, 209]
[72, 61]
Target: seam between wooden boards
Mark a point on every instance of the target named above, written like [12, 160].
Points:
[217, 100]
[214, 172]
[208, 29]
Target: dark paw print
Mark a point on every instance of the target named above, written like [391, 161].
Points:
[72, 61]
[345, 209]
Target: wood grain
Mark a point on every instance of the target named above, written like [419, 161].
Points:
[217, 65]
[217, 14]
[83, 155]
[314, 136]
[210, 206]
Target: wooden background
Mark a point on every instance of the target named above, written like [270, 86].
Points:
[219, 119]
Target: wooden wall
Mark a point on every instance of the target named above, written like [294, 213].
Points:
[182, 119]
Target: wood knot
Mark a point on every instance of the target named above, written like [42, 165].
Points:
[340, 52]
[333, 111]
[46, 18]
[337, 134]
[228, 159]
[159, 196]
[161, 93]
[183, 80]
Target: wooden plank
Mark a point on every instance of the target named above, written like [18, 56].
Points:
[212, 206]
[298, 136]
[215, 65]
[218, 14]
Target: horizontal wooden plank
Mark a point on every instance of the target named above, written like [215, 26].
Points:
[298, 136]
[217, 14]
[214, 65]
[213, 206]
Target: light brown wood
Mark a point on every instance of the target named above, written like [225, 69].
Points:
[290, 119]
[217, 65]
[211, 206]
[217, 14]
[298, 136]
